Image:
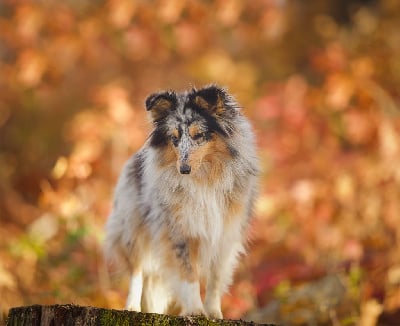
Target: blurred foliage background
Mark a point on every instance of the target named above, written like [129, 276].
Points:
[320, 82]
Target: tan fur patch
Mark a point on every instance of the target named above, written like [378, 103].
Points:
[168, 156]
[217, 107]
[175, 133]
[139, 247]
[217, 155]
[196, 157]
[194, 246]
[160, 107]
[220, 147]
[194, 130]
[202, 103]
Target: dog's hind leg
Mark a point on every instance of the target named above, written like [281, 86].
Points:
[135, 291]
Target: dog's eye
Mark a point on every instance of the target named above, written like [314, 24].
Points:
[199, 136]
[174, 140]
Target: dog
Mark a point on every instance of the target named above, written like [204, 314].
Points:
[183, 203]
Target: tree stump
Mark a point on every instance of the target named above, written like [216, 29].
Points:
[86, 316]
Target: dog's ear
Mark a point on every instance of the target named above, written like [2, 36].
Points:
[212, 99]
[159, 104]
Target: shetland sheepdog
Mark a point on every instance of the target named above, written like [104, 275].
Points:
[183, 202]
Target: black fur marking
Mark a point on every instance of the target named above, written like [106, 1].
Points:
[210, 94]
[158, 137]
[182, 253]
[207, 135]
[180, 131]
[181, 249]
[136, 170]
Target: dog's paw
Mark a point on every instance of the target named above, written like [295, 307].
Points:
[214, 314]
[133, 308]
[194, 312]
[213, 309]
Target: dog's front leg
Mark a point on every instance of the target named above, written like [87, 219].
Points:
[212, 302]
[186, 278]
[220, 277]
[189, 296]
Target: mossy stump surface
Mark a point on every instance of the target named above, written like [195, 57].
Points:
[87, 316]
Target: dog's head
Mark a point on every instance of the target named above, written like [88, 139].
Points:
[192, 127]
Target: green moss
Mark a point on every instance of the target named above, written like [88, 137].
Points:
[72, 314]
[112, 317]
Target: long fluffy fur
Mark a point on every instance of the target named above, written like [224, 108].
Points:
[183, 202]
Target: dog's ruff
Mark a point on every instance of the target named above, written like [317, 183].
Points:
[183, 202]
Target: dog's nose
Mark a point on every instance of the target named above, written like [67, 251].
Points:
[185, 169]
